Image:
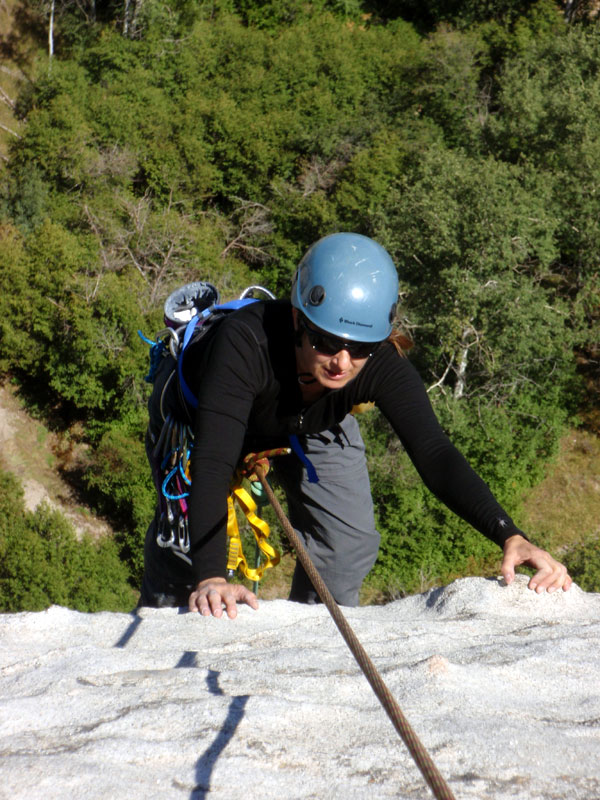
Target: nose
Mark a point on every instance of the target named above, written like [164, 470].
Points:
[342, 359]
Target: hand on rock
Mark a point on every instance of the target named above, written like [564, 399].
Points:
[551, 574]
[212, 594]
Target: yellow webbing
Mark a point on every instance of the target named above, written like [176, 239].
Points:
[362, 408]
[235, 555]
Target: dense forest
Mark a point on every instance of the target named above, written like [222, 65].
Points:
[154, 142]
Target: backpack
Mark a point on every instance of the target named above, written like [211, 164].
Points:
[189, 312]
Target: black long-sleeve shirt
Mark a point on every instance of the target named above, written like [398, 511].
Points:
[244, 375]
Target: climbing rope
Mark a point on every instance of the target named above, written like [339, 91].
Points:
[433, 777]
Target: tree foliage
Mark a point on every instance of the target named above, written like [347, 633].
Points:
[42, 562]
[188, 139]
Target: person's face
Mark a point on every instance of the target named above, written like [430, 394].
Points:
[316, 355]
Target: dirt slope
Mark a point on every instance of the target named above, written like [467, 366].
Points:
[29, 450]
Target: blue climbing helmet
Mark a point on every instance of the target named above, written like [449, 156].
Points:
[347, 285]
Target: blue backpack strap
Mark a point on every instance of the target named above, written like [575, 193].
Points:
[297, 448]
[188, 395]
[232, 305]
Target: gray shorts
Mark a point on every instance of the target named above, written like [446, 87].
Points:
[334, 517]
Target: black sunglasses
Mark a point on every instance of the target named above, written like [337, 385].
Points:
[330, 345]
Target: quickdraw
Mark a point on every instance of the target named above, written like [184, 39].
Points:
[172, 480]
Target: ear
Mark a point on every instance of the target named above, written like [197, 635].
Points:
[295, 317]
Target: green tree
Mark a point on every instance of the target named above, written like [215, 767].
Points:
[548, 105]
[119, 475]
[42, 562]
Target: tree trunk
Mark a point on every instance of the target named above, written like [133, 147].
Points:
[51, 32]
[125, 18]
[461, 369]
[137, 6]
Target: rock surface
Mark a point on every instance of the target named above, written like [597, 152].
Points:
[501, 685]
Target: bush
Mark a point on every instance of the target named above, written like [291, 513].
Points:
[422, 542]
[121, 475]
[583, 564]
[42, 561]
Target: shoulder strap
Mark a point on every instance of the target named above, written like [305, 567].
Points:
[200, 319]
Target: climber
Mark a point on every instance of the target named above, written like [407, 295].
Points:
[278, 369]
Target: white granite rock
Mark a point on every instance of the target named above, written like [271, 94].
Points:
[501, 685]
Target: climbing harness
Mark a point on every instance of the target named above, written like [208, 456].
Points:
[188, 314]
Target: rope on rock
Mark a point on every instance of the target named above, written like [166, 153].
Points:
[423, 760]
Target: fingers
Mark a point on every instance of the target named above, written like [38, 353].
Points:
[243, 595]
[211, 595]
[551, 574]
[514, 546]
[508, 571]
